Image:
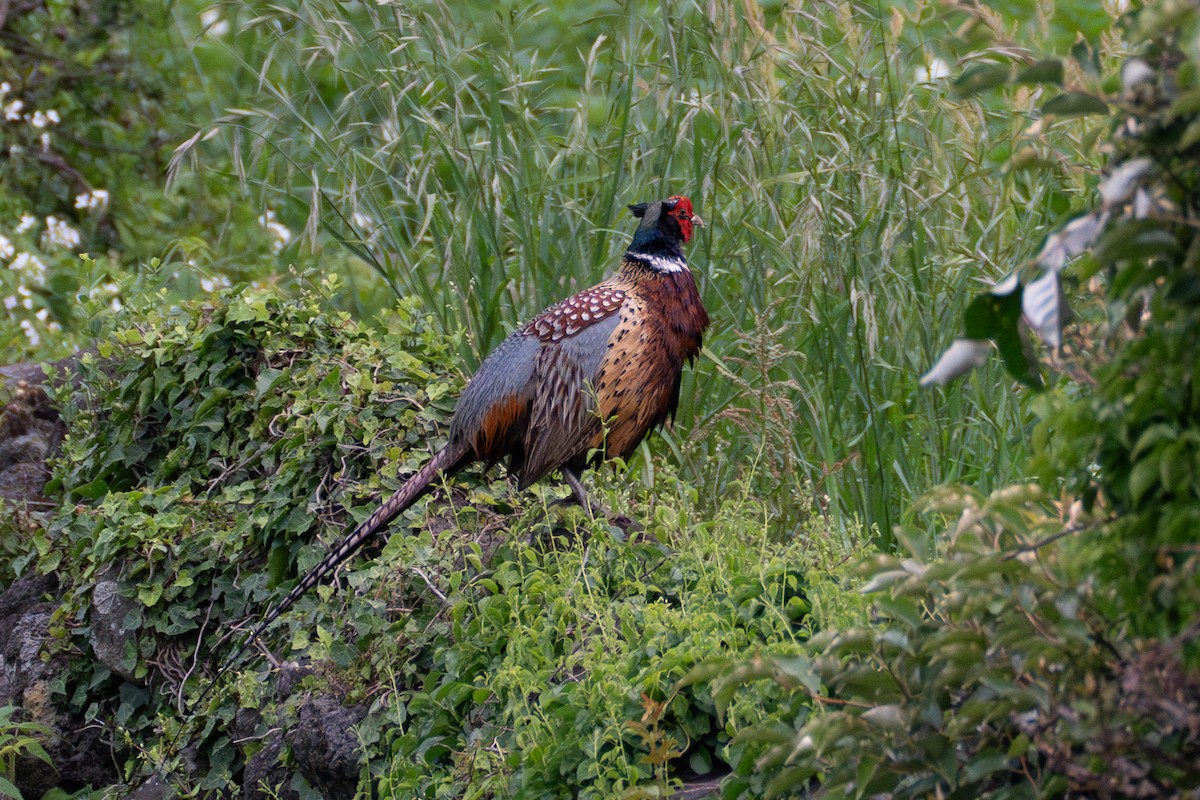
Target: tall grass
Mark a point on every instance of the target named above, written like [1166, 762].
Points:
[480, 156]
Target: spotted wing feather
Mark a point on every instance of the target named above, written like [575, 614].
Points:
[576, 313]
[575, 336]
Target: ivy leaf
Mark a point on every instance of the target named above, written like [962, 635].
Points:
[150, 594]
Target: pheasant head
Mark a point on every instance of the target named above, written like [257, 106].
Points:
[666, 226]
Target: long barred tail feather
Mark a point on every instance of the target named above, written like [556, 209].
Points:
[405, 496]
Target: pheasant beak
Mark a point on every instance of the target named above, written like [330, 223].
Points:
[699, 223]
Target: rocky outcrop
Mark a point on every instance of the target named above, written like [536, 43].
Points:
[78, 751]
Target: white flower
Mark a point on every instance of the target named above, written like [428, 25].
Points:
[95, 199]
[12, 111]
[116, 304]
[53, 116]
[278, 230]
[60, 233]
[45, 140]
[30, 332]
[5, 88]
[42, 314]
[32, 266]
[41, 119]
[111, 288]
[11, 301]
[27, 222]
[6, 247]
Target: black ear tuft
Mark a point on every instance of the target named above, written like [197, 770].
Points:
[639, 210]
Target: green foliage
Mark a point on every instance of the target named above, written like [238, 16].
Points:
[18, 739]
[990, 677]
[211, 443]
[480, 158]
[1131, 445]
[1045, 645]
[95, 96]
[530, 676]
[504, 652]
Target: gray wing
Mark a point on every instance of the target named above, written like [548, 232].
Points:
[492, 413]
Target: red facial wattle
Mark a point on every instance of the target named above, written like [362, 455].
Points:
[685, 216]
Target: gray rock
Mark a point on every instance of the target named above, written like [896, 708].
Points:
[108, 634]
[265, 778]
[79, 754]
[326, 750]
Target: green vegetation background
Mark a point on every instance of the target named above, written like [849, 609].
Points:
[363, 199]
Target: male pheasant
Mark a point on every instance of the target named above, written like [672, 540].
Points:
[593, 374]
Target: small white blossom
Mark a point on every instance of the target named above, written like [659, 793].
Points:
[45, 140]
[41, 119]
[11, 301]
[60, 233]
[30, 332]
[5, 88]
[23, 290]
[27, 222]
[42, 314]
[116, 304]
[111, 288]
[12, 111]
[95, 199]
[278, 230]
[32, 266]
[6, 247]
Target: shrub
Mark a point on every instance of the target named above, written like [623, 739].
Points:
[1045, 645]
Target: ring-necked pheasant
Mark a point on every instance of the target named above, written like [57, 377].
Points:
[592, 374]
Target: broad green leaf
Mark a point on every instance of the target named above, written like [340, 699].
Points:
[1047, 71]
[7, 788]
[151, 594]
[1073, 104]
[888, 717]
[1143, 477]
[981, 77]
